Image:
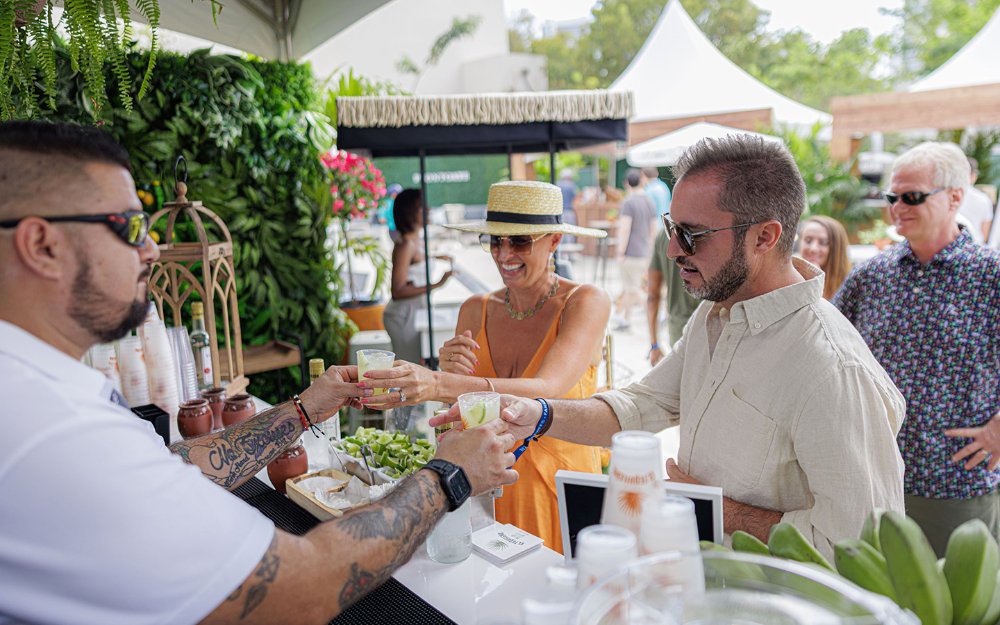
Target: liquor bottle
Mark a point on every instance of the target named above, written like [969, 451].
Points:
[202, 348]
[330, 427]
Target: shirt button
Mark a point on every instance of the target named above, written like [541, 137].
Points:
[916, 289]
[757, 325]
[920, 273]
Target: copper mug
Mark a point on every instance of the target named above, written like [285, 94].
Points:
[237, 409]
[215, 397]
[194, 418]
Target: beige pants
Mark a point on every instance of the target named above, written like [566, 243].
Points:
[939, 517]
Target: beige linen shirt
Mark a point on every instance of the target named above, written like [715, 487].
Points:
[790, 412]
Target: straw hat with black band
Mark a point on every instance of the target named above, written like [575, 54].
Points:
[525, 207]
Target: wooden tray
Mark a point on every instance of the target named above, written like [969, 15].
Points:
[307, 501]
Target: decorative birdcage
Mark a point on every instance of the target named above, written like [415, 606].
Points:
[202, 269]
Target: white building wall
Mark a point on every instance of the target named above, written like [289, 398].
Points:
[375, 44]
[505, 73]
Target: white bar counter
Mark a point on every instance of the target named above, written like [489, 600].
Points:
[474, 591]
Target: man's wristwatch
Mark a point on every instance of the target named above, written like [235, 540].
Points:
[454, 483]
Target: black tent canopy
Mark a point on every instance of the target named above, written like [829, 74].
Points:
[480, 124]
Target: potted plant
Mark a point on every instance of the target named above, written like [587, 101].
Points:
[356, 187]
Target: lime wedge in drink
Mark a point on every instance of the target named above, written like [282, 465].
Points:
[475, 415]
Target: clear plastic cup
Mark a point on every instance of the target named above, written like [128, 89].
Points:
[374, 360]
[478, 408]
[451, 539]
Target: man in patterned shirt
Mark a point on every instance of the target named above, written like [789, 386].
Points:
[929, 309]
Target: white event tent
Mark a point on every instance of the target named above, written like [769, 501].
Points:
[975, 64]
[679, 73]
[663, 151]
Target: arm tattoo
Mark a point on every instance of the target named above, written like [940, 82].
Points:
[239, 452]
[402, 520]
[257, 585]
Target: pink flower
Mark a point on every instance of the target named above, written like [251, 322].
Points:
[338, 204]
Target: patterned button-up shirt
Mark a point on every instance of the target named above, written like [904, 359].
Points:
[936, 330]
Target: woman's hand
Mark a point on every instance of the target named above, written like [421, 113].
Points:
[332, 390]
[443, 279]
[416, 385]
[458, 354]
[985, 445]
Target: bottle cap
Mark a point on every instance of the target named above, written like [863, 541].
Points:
[316, 367]
[197, 308]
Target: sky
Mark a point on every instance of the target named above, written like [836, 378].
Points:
[822, 19]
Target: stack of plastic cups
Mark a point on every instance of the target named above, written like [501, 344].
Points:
[552, 605]
[669, 525]
[187, 376]
[135, 383]
[160, 368]
[601, 549]
[104, 358]
[635, 476]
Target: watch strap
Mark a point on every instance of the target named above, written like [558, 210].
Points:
[445, 470]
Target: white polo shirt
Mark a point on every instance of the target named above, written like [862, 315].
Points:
[99, 522]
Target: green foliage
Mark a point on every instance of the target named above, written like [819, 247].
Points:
[351, 84]
[978, 144]
[28, 40]
[249, 136]
[932, 31]
[831, 188]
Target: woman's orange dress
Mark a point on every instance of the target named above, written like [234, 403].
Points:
[531, 503]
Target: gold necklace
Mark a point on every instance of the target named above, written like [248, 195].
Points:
[521, 316]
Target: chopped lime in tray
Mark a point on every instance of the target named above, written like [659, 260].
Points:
[393, 453]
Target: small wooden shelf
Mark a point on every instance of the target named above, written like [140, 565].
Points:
[272, 355]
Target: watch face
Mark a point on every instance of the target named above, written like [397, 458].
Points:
[459, 486]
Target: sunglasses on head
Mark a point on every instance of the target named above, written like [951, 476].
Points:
[519, 244]
[687, 239]
[131, 226]
[910, 198]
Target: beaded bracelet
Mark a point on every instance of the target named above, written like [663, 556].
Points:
[307, 423]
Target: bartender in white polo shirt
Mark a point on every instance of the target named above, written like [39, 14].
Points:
[100, 522]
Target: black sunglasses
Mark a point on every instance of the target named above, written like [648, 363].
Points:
[519, 244]
[687, 239]
[131, 226]
[910, 198]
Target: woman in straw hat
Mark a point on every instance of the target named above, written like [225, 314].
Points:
[538, 336]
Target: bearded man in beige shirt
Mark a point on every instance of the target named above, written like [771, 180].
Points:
[778, 398]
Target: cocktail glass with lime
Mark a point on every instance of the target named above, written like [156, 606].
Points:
[374, 360]
[478, 408]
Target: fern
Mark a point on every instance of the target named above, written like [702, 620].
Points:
[150, 9]
[116, 46]
[83, 20]
[43, 33]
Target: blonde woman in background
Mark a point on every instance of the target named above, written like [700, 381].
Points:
[823, 242]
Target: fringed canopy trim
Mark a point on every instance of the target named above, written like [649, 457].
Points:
[482, 109]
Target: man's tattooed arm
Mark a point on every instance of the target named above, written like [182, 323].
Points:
[253, 591]
[239, 452]
[388, 533]
[312, 578]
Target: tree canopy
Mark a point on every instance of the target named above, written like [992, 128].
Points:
[789, 61]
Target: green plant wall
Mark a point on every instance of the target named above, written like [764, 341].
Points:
[252, 141]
